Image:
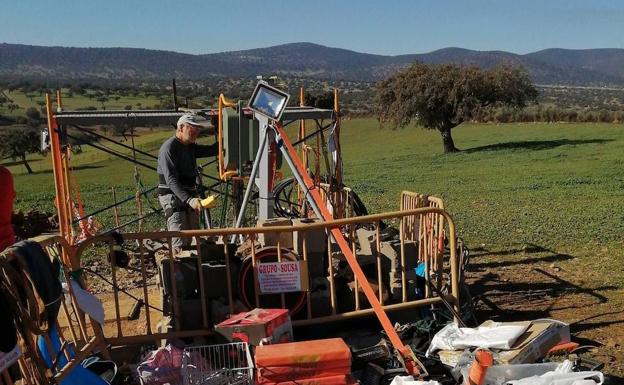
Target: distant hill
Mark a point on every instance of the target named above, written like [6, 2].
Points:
[551, 66]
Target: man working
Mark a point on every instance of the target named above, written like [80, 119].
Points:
[177, 173]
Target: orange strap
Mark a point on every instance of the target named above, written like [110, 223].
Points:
[405, 351]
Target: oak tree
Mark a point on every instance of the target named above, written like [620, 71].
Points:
[441, 97]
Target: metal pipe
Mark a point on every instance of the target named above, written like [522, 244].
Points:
[222, 103]
[57, 168]
[364, 312]
[115, 204]
[202, 289]
[253, 230]
[291, 164]
[145, 293]
[113, 262]
[254, 173]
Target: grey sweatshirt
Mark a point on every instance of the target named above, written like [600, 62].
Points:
[177, 166]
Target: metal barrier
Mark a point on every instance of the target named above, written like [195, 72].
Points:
[426, 229]
[85, 335]
[29, 309]
[280, 234]
[340, 203]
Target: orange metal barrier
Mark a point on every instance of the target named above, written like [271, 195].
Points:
[27, 308]
[427, 230]
[341, 198]
[118, 334]
[88, 336]
[224, 173]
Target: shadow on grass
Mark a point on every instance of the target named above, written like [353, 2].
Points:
[521, 288]
[526, 250]
[534, 145]
[19, 162]
[526, 284]
[613, 380]
[556, 257]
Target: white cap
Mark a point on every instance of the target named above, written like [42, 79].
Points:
[193, 120]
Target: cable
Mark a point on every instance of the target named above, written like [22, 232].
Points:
[118, 288]
[128, 158]
[117, 204]
[89, 132]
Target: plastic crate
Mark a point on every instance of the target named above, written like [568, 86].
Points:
[218, 365]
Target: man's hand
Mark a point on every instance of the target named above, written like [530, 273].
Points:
[195, 204]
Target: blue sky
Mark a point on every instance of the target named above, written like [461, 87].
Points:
[388, 27]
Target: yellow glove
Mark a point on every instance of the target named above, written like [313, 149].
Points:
[209, 202]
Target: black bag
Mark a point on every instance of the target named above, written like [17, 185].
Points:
[44, 274]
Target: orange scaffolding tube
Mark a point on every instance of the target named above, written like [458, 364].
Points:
[60, 186]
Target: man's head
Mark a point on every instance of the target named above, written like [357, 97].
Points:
[188, 128]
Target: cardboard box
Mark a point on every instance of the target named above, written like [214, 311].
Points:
[316, 239]
[531, 346]
[259, 325]
[270, 239]
[534, 343]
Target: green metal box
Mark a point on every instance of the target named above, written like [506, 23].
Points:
[240, 141]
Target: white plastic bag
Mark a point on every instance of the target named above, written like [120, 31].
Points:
[553, 378]
[409, 380]
[500, 374]
[562, 375]
[88, 303]
[497, 336]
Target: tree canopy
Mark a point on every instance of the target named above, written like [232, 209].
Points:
[442, 97]
[15, 143]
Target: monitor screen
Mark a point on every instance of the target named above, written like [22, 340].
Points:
[268, 101]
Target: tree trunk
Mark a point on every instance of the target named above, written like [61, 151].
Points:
[30, 171]
[447, 140]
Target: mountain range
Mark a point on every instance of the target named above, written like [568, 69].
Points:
[586, 67]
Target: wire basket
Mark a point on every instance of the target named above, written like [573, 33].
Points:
[218, 365]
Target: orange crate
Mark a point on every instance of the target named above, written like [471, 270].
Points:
[333, 380]
[301, 360]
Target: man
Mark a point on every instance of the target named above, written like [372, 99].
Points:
[177, 173]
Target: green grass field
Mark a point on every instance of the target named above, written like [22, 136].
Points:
[539, 205]
[557, 186]
[114, 102]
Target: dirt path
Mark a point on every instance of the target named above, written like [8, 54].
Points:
[537, 283]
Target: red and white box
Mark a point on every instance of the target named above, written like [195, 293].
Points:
[266, 326]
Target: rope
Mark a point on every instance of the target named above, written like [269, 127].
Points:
[85, 232]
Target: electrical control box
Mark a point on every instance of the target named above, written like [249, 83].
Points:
[240, 140]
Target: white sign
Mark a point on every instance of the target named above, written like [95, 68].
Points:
[8, 359]
[279, 277]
